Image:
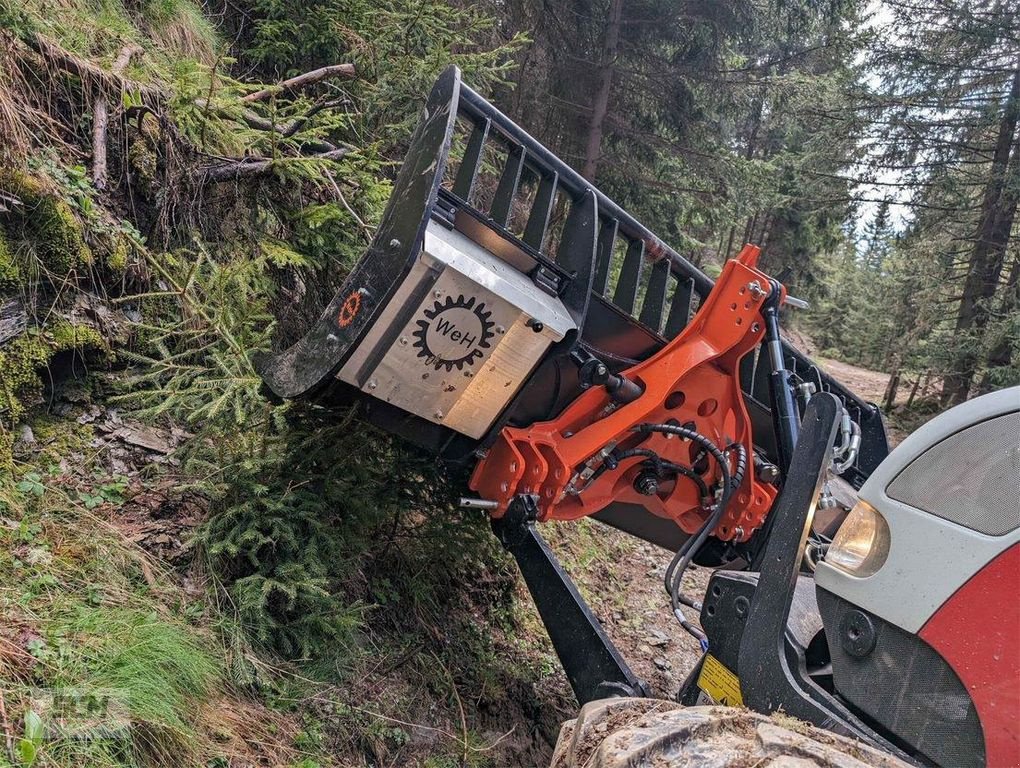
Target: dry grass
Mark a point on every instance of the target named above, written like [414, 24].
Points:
[24, 122]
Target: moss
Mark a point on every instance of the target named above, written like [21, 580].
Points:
[9, 271]
[117, 254]
[67, 336]
[6, 453]
[49, 223]
[22, 359]
[59, 437]
[143, 162]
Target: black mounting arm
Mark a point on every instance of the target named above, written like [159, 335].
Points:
[760, 624]
[594, 666]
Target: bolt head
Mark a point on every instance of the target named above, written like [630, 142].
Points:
[373, 384]
[403, 341]
[394, 243]
[439, 415]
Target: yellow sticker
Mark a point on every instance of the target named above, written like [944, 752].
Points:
[719, 683]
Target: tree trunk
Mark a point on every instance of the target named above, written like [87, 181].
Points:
[890, 391]
[601, 104]
[1000, 354]
[997, 211]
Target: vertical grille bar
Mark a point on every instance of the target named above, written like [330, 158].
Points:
[503, 201]
[680, 309]
[630, 276]
[655, 296]
[464, 184]
[538, 220]
[607, 238]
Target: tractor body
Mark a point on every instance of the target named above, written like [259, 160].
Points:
[510, 317]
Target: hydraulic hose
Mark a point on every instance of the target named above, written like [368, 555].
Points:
[660, 464]
[678, 565]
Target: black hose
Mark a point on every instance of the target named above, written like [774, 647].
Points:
[738, 473]
[660, 465]
[678, 565]
[713, 450]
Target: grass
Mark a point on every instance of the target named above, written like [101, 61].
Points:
[96, 643]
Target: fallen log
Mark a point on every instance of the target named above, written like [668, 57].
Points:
[89, 72]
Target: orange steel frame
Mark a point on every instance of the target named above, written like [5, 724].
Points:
[694, 379]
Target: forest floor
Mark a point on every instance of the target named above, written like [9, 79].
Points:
[509, 690]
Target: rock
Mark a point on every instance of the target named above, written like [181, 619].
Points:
[662, 663]
[26, 436]
[657, 638]
[13, 319]
[144, 437]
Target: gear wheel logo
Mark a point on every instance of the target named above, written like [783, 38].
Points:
[453, 333]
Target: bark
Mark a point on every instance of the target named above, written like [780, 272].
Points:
[601, 104]
[889, 399]
[101, 118]
[346, 71]
[1000, 353]
[985, 266]
[913, 391]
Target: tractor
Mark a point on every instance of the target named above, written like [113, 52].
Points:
[510, 317]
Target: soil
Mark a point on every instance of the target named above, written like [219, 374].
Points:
[621, 577]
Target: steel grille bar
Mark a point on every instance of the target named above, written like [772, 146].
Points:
[655, 296]
[538, 221]
[464, 184]
[680, 309]
[503, 202]
[630, 277]
[607, 239]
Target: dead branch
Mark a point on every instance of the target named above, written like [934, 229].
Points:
[365, 229]
[8, 202]
[346, 71]
[259, 123]
[247, 168]
[87, 71]
[101, 116]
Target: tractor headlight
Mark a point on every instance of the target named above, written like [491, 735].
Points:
[861, 544]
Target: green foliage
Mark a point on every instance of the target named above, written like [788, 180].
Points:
[9, 269]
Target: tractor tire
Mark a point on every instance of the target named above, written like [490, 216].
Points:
[618, 733]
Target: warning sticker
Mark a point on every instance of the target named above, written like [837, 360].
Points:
[719, 683]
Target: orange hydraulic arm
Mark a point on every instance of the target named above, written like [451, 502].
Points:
[600, 450]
